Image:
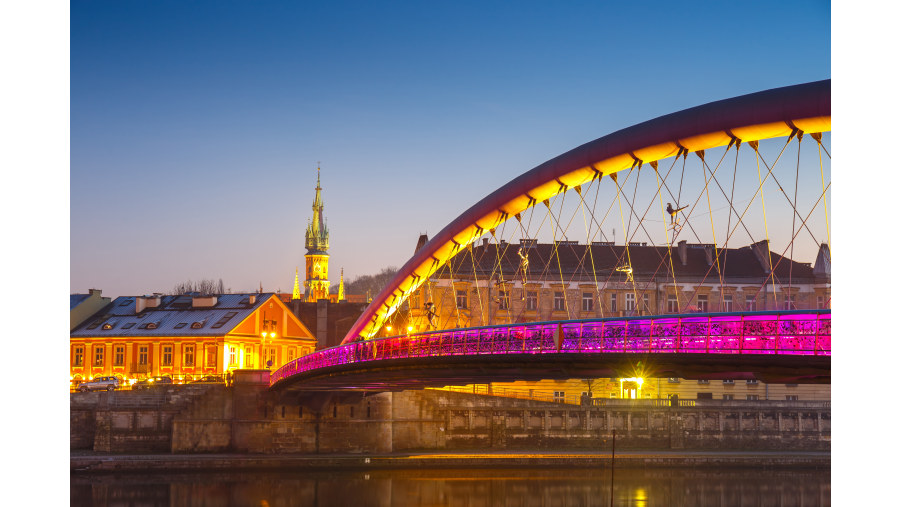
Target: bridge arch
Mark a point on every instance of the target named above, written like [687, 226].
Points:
[780, 112]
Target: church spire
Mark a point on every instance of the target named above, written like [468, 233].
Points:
[317, 231]
[341, 296]
[316, 283]
[297, 294]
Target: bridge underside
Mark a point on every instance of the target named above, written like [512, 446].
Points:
[417, 373]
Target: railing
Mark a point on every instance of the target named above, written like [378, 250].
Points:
[798, 332]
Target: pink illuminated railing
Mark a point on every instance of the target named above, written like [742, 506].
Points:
[782, 333]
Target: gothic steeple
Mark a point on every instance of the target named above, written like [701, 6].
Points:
[317, 231]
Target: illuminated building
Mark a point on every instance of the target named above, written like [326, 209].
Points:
[487, 285]
[187, 336]
[316, 283]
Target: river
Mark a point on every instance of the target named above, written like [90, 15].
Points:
[520, 487]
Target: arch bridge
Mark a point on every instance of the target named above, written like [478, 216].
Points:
[720, 204]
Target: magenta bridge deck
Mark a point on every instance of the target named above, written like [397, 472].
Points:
[782, 346]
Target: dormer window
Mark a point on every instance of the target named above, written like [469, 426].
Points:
[151, 325]
[107, 326]
[180, 325]
[198, 324]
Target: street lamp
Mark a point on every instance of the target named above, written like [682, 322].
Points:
[268, 331]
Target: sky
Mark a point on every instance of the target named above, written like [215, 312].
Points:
[146, 143]
[197, 127]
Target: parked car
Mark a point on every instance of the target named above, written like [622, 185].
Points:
[99, 384]
[148, 383]
[209, 379]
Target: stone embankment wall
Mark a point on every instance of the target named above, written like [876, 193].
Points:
[248, 418]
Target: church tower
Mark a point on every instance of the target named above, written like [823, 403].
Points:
[316, 283]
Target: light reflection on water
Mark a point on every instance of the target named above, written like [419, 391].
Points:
[456, 487]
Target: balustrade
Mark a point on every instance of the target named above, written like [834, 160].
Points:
[785, 333]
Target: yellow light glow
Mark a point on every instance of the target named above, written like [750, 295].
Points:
[264, 334]
[389, 328]
[409, 328]
[272, 336]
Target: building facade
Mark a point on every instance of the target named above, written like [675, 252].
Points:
[187, 337]
[530, 282]
[502, 283]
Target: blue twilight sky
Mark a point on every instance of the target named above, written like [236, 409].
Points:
[196, 127]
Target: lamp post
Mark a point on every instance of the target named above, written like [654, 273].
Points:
[268, 332]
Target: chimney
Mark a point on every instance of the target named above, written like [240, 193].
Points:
[761, 251]
[484, 242]
[252, 299]
[682, 252]
[710, 255]
[203, 301]
[141, 303]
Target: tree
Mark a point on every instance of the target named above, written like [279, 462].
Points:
[369, 284]
[204, 287]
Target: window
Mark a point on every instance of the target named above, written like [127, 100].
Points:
[703, 303]
[727, 303]
[672, 303]
[128, 326]
[211, 357]
[225, 318]
[78, 356]
[531, 300]
[98, 355]
[119, 355]
[587, 302]
[704, 396]
[167, 355]
[750, 304]
[462, 299]
[559, 302]
[789, 301]
[232, 356]
[752, 382]
[504, 300]
[703, 381]
[752, 397]
[629, 302]
[188, 355]
[728, 382]
[180, 325]
[559, 396]
[143, 355]
[791, 397]
[613, 307]
[820, 302]
[270, 357]
[291, 354]
[727, 396]
[248, 356]
[674, 380]
[645, 300]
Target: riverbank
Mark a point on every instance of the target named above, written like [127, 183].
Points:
[90, 462]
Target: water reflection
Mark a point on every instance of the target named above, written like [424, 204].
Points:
[469, 488]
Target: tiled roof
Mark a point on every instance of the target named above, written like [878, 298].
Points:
[579, 262]
[173, 317]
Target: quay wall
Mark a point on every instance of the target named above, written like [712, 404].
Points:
[247, 418]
